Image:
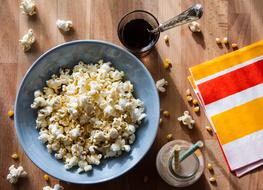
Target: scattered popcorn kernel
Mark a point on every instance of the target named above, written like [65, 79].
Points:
[64, 25]
[225, 40]
[46, 177]
[189, 98]
[218, 41]
[169, 136]
[27, 40]
[145, 179]
[188, 92]
[209, 166]
[194, 26]
[15, 156]
[166, 113]
[234, 45]
[161, 121]
[161, 84]
[209, 129]
[212, 179]
[187, 120]
[167, 63]
[166, 39]
[196, 109]
[195, 102]
[10, 113]
[28, 7]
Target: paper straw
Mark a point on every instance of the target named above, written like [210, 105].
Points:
[191, 150]
[177, 150]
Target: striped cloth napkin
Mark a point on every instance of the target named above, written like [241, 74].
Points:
[230, 89]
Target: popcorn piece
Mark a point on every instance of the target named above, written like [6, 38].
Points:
[15, 156]
[166, 40]
[225, 40]
[70, 162]
[166, 113]
[161, 121]
[145, 179]
[64, 25]
[167, 63]
[196, 109]
[169, 136]
[195, 102]
[46, 177]
[56, 187]
[194, 26]
[188, 92]
[189, 98]
[15, 173]
[187, 120]
[160, 85]
[28, 7]
[27, 40]
[210, 167]
[218, 41]
[209, 129]
[10, 113]
[234, 45]
[212, 179]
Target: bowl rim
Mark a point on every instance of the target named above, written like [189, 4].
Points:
[37, 61]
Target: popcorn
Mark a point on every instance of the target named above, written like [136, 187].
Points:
[64, 25]
[186, 119]
[225, 40]
[27, 40]
[87, 114]
[28, 7]
[46, 177]
[218, 41]
[194, 26]
[15, 156]
[160, 85]
[167, 64]
[212, 179]
[10, 113]
[56, 187]
[15, 173]
[166, 40]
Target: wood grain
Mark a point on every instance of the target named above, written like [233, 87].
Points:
[239, 20]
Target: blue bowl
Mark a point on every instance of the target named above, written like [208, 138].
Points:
[66, 56]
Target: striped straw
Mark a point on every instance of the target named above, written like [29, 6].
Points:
[191, 150]
[177, 150]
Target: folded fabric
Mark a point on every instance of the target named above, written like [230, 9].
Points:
[230, 88]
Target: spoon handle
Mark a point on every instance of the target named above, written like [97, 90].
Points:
[193, 13]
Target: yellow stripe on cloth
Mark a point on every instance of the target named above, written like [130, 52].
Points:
[239, 121]
[227, 61]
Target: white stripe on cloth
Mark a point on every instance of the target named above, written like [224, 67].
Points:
[228, 70]
[234, 100]
[245, 150]
[248, 168]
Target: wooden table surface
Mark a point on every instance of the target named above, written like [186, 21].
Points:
[240, 20]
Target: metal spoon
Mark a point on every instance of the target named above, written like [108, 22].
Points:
[193, 13]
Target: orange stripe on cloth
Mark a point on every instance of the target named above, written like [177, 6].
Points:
[232, 82]
[227, 61]
[239, 121]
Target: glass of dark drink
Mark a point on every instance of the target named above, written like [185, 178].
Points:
[133, 32]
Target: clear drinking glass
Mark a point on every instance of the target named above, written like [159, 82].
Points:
[190, 170]
[133, 34]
